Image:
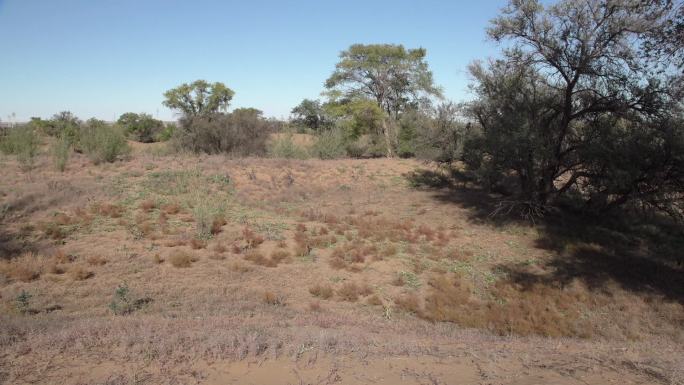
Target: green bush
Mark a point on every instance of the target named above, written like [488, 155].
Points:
[23, 142]
[329, 145]
[101, 142]
[285, 147]
[61, 150]
[141, 127]
[167, 132]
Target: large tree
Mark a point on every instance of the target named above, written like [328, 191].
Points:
[392, 76]
[199, 98]
[573, 93]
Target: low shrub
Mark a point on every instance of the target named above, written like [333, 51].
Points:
[23, 142]
[101, 142]
[61, 150]
[329, 145]
[285, 147]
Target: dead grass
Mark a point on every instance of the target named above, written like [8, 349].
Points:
[80, 273]
[217, 224]
[197, 244]
[25, 268]
[171, 208]
[96, 260]
[350, 291]
[181, 259]
[274, 299]
[322, 291]
[148, 205]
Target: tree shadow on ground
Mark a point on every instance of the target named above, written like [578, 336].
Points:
[641, 255]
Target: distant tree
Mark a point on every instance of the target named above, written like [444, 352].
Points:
[199, 98]
[143, 127]
[310, 113]
[64, 125]
[391, 75]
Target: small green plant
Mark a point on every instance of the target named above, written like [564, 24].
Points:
[123, 302]
[410, 279]
[22, 301]
[102, 143]
[61, 149]
[207, 212]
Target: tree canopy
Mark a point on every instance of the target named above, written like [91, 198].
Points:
[389, 74]
[199, 98]
[576, 106]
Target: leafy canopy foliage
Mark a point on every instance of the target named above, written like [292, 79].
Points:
[575, 107]
[392, 76]
[199, 98]
[311, 114]
[143, 127]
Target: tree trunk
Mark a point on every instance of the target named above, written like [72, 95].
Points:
[388, 139]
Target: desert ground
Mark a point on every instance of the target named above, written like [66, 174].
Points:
[184, 269]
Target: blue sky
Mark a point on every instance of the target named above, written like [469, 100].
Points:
[101, 58]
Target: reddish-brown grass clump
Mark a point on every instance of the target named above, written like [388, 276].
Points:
[217, 224]
[197, 244]
[350, 291]
[148, 205]
[321, 291]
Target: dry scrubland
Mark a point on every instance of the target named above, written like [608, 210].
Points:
[186, 269]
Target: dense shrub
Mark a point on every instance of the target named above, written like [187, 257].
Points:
[141, 127]
[102, 142]
[242, 132]
[61, 150]
[23, 142]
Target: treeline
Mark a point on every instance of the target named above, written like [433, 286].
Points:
[583, 107]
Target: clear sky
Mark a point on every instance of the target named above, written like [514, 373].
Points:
[101, 58]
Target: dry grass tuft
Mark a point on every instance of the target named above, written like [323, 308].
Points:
[148, 205]
[374, 300]
[350, 291]
[409, 303]
[197, 244]
[315, 306]
[107, 210]
[278, 256]
[239, 267]
[181, 259]
[258, 258]
[79, 273]
[96, 260]
[253, 239]
[157, 259]
[321, 291]
[171, 208]
[220, 248]
[271, 298]
[217, 223]
[25, 268]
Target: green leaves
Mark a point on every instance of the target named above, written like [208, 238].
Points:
[199, 98]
